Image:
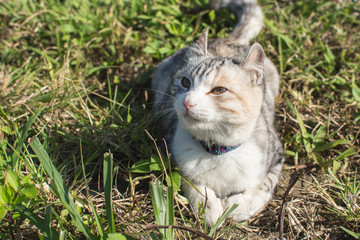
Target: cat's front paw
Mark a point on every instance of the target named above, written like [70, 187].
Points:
[243, 210]
[213, 209]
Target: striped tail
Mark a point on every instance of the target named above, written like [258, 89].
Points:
[249, 15]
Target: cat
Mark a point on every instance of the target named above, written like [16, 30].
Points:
[216, 99]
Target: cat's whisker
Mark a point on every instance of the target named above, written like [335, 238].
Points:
[164, 93]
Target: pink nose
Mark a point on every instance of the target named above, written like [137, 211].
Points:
[188, 104]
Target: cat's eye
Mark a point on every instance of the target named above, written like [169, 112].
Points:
[185, 82]
[218, 90]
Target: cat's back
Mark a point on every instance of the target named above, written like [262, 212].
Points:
[225, 48]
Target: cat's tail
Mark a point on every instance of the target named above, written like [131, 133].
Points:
[250, 18]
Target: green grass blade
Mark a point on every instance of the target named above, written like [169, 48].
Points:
[153, 236]
[96, 216]
[351, 233]
[287, 100]
[42, 224]
[163, 208]
[158, 203]
[63, 235]
[304, 132]
[281, 56]
[222, 219]
[170, 215]
[59, 186]
[133, 9]
[23, 137]
[108, 178]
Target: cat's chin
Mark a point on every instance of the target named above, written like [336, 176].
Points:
[191, 119]
[190, 122]
[196, 126]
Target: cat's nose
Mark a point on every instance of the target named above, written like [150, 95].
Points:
[188, 104]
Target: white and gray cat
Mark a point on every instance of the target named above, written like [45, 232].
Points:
[216, 99]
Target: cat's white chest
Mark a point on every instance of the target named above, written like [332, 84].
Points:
[226, 174]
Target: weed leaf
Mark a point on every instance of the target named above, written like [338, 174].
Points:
[330, 145]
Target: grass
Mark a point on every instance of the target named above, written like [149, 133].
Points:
[78, 158]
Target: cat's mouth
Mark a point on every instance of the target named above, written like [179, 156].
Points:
[191, 117]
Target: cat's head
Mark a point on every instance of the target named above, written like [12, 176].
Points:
[219, 99]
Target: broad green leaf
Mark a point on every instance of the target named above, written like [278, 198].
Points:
[20, 199]
[164, 50]
[212, 15]
[10, 191]
[157, 164]
[29, 191]
[355, 90]
[4, 196]
[150, 50]
[142, 166]
[176, 180]
[6, 130]
[289, 153]
[336, 166]
[145, 166]
[320, 134]
[13, 179]
[26, 179]
[171, 28]
[172, 10]
[319, 159]
[116, 236]
[3, 211]
[67, 28]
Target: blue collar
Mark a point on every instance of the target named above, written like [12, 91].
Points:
[218, 149]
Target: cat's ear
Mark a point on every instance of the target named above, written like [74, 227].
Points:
[254, 63]
[201, 45]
